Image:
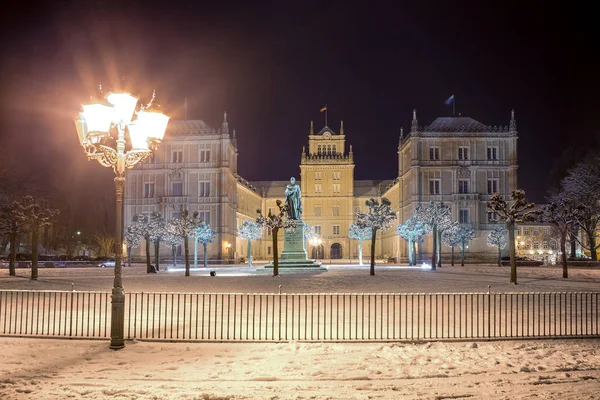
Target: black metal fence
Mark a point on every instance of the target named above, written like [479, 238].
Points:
[304, 317]
[55, 313]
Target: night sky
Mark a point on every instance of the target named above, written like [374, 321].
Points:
[272, 65]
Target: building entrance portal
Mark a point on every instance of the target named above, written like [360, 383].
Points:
[335, 253]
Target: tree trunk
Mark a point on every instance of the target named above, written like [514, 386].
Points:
[156, 254]
[374, 234]
[439, 250]
[205, 254]
[148, 268]
[414, 252]
[129, 256]
[249, 253]
[410, 253]
[453, 256]
[462, 254]
[174, 254]
[499, 256]
[360, 260]
[563, 257]
[275, 254]
[196, 252]
[13, 255]
[187, 255]
[592, 242]
[34, 253]
[511, 243]
[434, 247]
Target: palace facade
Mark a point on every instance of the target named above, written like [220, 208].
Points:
[456, 160]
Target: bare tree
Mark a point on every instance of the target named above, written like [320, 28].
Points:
[205, 235]
[105, 243]
[465, 235]
[275, 222]
[360, 234]
[132, 239]
[432, 216]
[379, 218]
[171, 239]
[250, 231]
[12, 223]
[412, 231]
[451, 239]
[36, 217]
[581, 187]
[518, 211]
[184, 227]
[497, 238]
[561, 213]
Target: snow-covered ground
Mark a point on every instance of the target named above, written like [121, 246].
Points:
[62, 369]
[337, 279]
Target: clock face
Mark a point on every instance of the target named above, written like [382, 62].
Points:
[326, 135]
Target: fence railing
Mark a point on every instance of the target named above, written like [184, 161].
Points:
[55, 313]
[304, 317]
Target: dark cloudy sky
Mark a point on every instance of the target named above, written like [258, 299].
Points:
[272, 64]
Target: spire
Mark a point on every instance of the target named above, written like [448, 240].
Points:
[513, 122]
[312, 129]
[415, 124]
[342, 127]
[234, 140]
[225, 125]
[401, 132]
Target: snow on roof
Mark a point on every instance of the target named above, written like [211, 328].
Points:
[189, 128]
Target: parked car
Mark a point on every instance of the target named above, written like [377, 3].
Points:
[3, 262]
[108, 262]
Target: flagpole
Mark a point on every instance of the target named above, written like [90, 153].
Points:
[326, 117]
[454, 106]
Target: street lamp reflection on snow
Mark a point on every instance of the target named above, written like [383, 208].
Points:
[101, 128]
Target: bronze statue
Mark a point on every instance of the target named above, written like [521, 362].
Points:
[293, 198]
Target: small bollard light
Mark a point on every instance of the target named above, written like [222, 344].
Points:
[72, 285]
[279, 289]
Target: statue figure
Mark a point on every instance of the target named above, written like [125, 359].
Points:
[293, 199]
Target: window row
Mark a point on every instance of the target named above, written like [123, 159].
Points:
[463, 186]
[319, 188]
[177, 189]
[326, 149]
[463, 153]
[336, 176]
[530, 231]
[335, 210]
[535, 245]
[177, 156]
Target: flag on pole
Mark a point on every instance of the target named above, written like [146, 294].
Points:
[449, 100]
[324, 108]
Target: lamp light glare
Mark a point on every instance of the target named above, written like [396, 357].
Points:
[154, 124]
[124, 106]
[97, 118]
[139, 138]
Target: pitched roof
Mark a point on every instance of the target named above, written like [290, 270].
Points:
[326, 129]
[189, 128]
[368, 188]
[453, 124]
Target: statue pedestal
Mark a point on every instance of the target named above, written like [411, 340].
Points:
[294, 253]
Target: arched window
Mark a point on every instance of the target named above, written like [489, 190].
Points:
[335, 252]
[334, 149]
[319, 151]
[328, 149]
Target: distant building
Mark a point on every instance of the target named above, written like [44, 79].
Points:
[456, 160]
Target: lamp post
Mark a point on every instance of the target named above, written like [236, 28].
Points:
[98, 125]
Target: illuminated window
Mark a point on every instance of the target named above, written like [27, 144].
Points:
[536, 245]
[545, 245]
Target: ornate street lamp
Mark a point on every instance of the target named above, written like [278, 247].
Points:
[98, 125]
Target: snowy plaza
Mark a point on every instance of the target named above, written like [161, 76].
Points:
[291, 369]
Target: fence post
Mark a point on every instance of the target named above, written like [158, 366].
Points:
[489, 311]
